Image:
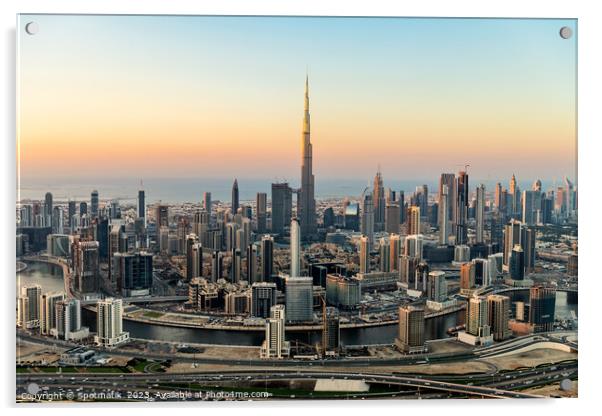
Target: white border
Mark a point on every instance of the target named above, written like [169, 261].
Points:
[590, 201]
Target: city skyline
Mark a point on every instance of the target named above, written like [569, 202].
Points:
[183, 127]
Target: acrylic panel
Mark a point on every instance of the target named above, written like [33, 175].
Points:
[279, 208]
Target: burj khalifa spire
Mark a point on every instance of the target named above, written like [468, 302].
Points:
[307, 202]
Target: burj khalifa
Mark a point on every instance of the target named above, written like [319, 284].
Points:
[307, 203]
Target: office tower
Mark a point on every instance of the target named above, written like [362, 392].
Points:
[86, 270]
[529, 207]
[407, 270]
[569, 196]
[48, 303]
[385, 255]
[134, 273]
[236, 267]
[217, 265]
[267, 258]
[413, 220]
[392, 218]
[542, 308]
[71, 211]
[517, 263]
[163, 234]
[331, 331]
[57, 220]
[235, 199]
[351, 217]
[498, 312]
[28, 306]
[484, 270]
[299, 299]
[69, 321]
[411, 329]
[109, 323]
[498, 202]
[514, 195]
[207, 203]
[94, 204]
[231, 229]
[422, 273]
[378, 200]
[528, 245]
[306, 202]
[282, 207]
[413, 246]
[467, 276]
[480, 214]
[141, 205]
[402, 207]
[364, 254]
[436, 286]
[261, 207]
[162, 216]
[48, 209]
[462, 208]
[477, 322]
[395, 251]
[251, 268]
[83, 209]
[329, 218]
[512, 236]
[275, 345]
[295, 248]
[194, 257]
[263, 297]
[423, 198]
[367, 222]
[58, 245]
[443, 214]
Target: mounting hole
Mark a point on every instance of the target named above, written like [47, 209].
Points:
[565, 32]
[32, 28]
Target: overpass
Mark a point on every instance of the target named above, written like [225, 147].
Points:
[142, 299]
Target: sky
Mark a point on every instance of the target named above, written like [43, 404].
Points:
[221, 97]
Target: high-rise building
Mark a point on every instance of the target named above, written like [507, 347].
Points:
[542, 308]
[134, 275]
[109, 323]
[141, 205]
[529, 207]
[28, 306]
[263, 297]
[378, 200]
[443, 213]
[217, 265]
[516, 268]
[480, 214]
[413, 246]
[467, 276]
[411, 329]
[528, 245]
[407, 270]
[364, 254]
[162, 216]
[385, 255]
[299, 299]
[367, 218]
[68, 320]
[331, 331]
[261, 210]
[392, 218]
[267, 258]
[395, 251]
[512, 237]
[251, 269]
[235, 199]
[282, 207]
[48, 209]
[436, 286]
[48, 311]
[191, 240]
[498, 312]
[498, 201]
[86, 270]
[462, 208]
[307, 203]
[413, 220]
[275, 345]
[94, 203]
[295, 248]
[477, 323]
[207, 204]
